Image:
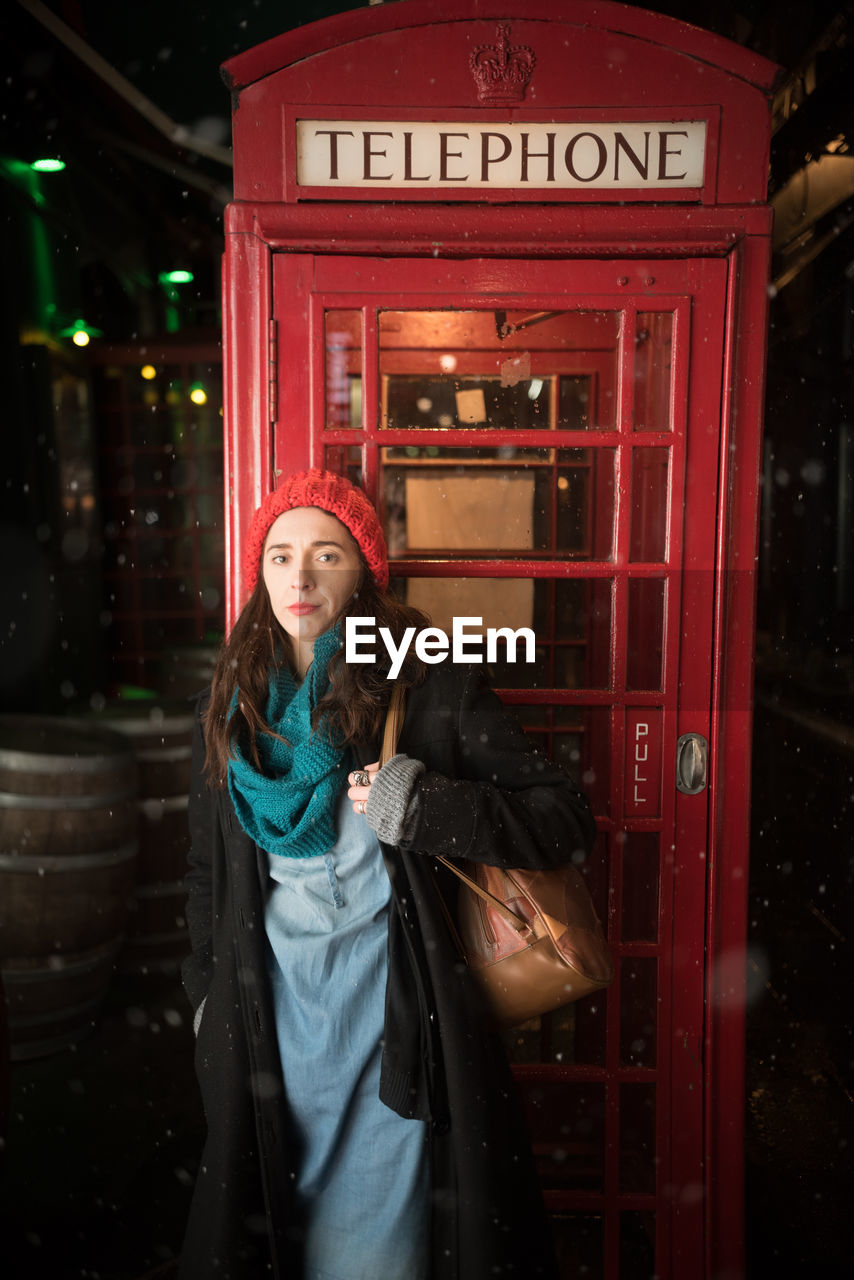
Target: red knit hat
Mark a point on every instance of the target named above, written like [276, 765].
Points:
[331, 493]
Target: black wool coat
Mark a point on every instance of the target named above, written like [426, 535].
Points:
[487, 795]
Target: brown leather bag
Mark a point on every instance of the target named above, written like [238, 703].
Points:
[531, 939]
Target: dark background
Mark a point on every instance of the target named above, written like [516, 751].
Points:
[85, 1197]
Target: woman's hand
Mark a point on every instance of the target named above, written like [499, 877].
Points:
[360, 785]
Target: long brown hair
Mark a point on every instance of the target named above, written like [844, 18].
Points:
[354, 706]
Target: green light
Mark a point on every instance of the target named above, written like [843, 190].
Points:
[175, 277]
[48, 165]
[134, 693]
[80, 333]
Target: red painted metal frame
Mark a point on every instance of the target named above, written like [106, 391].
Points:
[248, 473]
[317, 37]
[732, 722]
[415, 55]
[485, 231]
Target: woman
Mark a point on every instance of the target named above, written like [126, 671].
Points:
[361, 1119]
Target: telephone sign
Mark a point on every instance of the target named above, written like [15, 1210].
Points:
[389, 154]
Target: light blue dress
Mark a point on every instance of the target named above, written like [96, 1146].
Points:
[363, 1186]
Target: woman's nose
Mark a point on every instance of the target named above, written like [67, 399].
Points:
[302, 579]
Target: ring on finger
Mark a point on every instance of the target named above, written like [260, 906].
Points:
[361, 779]
[360, 805]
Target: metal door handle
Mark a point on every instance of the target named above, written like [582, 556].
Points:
[692, 758]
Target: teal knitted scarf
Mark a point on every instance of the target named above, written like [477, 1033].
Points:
[289, 808]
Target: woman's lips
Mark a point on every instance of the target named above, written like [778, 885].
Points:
[301, 609]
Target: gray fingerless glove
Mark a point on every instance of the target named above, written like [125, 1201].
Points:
[392, 806]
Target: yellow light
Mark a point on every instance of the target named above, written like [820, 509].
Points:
[80, 338]
[199, 396]
[148, 372]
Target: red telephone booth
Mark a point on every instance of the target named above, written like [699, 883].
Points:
[506, 265]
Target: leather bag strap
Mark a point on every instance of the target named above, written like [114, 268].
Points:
[391, 733]
[393, 723]
[518, 923]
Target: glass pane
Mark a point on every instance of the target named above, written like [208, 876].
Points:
[205, 408]
[164, 595]
[163, 508]
[640, 886]
[523, 1044]
[594, 868]
[637, 1245]
[575, 401]
[582, 649]
[139, 389]
[584, 510]
[648, 535]
[646, 630]
[345, 460]
[582, 626]
[533, 718]
[466, 508]
[498, 604]
[159, 425]
[561, 660]
[638, 983]
[419, 401]
[595, 757]
[580, 1244]
[498, 369]
[637, 1137]
[566, 1124]
[574, 1035]
[589, 1030]
[343, 340]
[157, 633]
[466, 502]
[653, 350]
[586, 1044]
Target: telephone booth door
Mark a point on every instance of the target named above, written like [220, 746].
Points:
[527, 433]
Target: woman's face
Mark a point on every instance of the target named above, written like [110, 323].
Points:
[311, 567]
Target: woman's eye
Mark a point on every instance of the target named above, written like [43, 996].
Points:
[327, 557]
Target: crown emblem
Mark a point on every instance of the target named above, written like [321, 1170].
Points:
[502, 72]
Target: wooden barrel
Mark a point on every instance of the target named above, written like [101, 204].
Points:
[68, 843]
[187, 669]
[54, 1000]
[160, 734]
